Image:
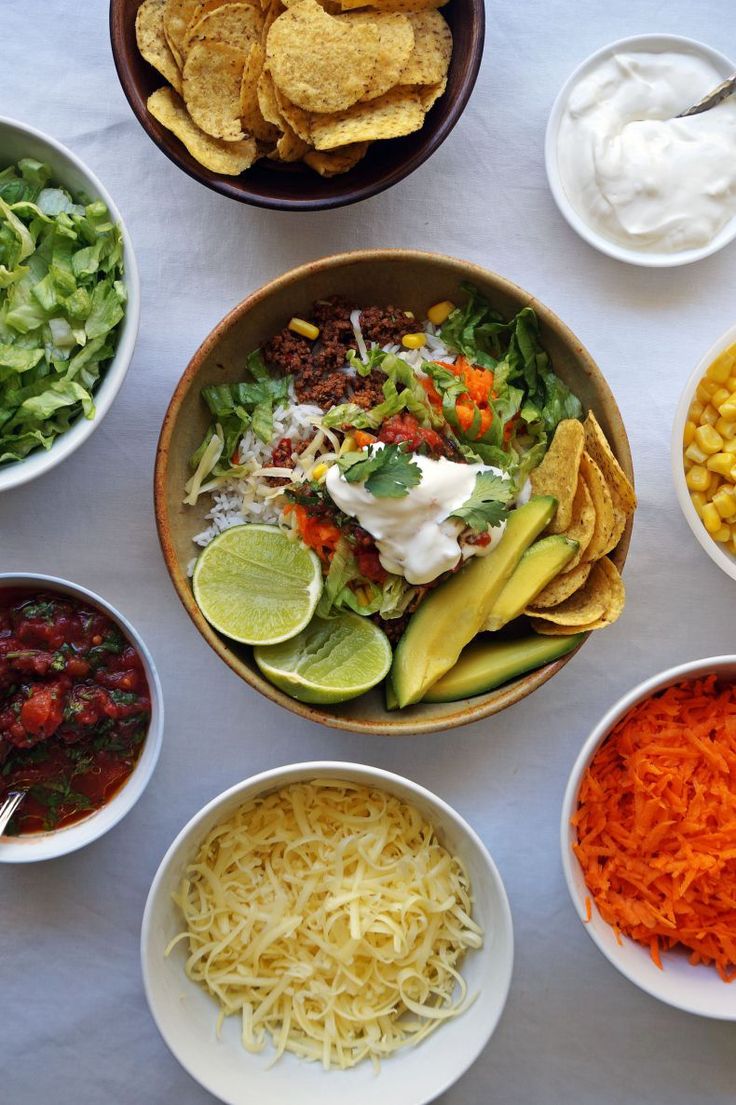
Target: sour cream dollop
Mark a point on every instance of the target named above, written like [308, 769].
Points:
[414, 535]
[635, 173]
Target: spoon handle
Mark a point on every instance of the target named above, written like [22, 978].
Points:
[9, 806]
[712, 99]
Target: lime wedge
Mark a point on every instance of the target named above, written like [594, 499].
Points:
[256, 586]
[329, 661]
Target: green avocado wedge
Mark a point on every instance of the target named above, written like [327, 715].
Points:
[541, 563]
[485, 665]
[450, 616]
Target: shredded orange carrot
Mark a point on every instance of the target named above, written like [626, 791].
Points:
[656, 824]
[319, 533]
[362, 438]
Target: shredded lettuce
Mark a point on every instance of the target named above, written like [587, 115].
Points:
[346, 589]
[62, 299]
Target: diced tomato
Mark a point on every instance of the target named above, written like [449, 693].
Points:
[41, 714]
[405, 427]
[370, 565]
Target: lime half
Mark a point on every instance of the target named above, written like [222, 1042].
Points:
[256, 586]
[329, 661]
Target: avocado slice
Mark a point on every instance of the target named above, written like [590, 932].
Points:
[539, 565]
[392, 702]
[485, 665]
[452, 614]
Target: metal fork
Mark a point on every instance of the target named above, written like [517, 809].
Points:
[720, 93]
[9, 806]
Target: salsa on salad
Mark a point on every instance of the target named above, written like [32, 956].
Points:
[74, 708]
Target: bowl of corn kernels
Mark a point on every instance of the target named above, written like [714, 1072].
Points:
[704, 452]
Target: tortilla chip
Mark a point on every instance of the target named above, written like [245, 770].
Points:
[606, 581]
[290, 147]
[561, 588]
[152, 44]
[272, 9]
[588, 604]
[596, 443]
[430, 58]
[213, 74]
[333, 162]
[267, 101]
[177, 17]
[318, 61]
[397, 112]
[582, 523]
[299, 121]
[430, 93]
[558, 473]
[395, 45]
[251, 115]
[238, 25]
[229, 158]
[395, 5]
[605, 519]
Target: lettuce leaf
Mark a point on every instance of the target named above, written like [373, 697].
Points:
[62, 299]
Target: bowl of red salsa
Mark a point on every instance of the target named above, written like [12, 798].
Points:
[81, 715]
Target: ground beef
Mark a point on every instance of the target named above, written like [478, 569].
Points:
[288, 353]
[369, 390]
[392, 627]
[385, 325]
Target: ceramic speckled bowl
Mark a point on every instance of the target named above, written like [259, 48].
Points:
[414, 281]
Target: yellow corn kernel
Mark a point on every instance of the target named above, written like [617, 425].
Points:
[721, 368]
[708, 439]
[696, 409]
[697, 498]
[722, 463]
[726, 428]
[728, 408]
[715, 483]
[705, 389]
[348, 444]
[306, 329]
[689, 434]
[709, 417]
[698, 478]
[319, 471]
[695, 453]
[725, 502]
[730, 446]
[732, 474]
[731, 383]
[440, 312]
[719, 396]
[723, 533]
[413, 341]
[711, 518]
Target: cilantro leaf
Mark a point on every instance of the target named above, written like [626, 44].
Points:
[387, 473]
[486, 506]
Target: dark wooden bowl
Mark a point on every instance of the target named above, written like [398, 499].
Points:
[296, 187]
[409, 279]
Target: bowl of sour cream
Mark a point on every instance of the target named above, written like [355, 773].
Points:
[631, 178]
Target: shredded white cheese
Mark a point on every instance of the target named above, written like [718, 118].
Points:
[331, 919]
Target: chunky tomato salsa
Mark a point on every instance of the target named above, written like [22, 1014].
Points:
[74, 707]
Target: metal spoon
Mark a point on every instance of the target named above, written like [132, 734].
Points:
[9, 806]
[712, 99]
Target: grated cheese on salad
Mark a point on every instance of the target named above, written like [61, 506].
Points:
[331, 919]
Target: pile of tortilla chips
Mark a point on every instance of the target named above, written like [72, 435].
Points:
[292, 80]
[595, 500]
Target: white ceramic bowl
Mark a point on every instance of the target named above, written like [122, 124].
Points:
[186, 1015]
[18, 140]
[649, 259]
[59, 842]
[693, 989]
[715, 550]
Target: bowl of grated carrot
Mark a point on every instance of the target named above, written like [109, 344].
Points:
[648, 836]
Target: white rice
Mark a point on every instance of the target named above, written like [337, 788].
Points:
[253, 498]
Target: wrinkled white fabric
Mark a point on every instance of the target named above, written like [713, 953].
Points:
[75, 1026]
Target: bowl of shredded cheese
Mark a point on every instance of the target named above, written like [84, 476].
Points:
[325, 928]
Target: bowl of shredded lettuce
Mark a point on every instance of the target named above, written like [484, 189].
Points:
[69, 303]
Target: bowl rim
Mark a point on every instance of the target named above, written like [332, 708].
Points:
[38, 462]
[270, 779]
[570, 866]
[61, 842]
[222, 184]
[714, 550]
[393, 725]
[655, 260]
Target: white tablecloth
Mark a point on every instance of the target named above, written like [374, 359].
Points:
[75, 1026]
